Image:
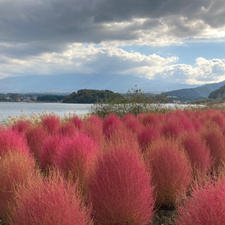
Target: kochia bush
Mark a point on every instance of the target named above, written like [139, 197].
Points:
[12, 141]
[50, 149]
[51, 123]
[111, 124]
[77, 158]
[216, 142]
[197, 152]
[35, 139]
[171, 172]
[147, 136]
[76, 121]
[205, 207]
[49, 202]
[120, 190]
[93, 127]
[15, 170]
[21, 126]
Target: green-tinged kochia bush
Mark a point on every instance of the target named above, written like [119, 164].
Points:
[120, 190]
[15, 169]
[50, 201]
[171, 172]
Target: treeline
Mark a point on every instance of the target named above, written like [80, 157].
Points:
[92, 96]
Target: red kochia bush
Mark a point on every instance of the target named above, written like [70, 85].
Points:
[49, 202]
[216, 142]
[12, 141]
[152, 120]
[120, 190]
[51, 123]
[172, 127]
[15, 170]
[93, 127]
[111, 124]
[50, 149]
[147, 136]
[198, 153]
[21, 126]
[76, 121]
[35, 138]
[132, 123]
[123, 138]
[77, 158]
[67, 130]
[205, 207]
[171, 172]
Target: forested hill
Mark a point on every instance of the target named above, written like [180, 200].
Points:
[218, 94]
[190, 94]
[91, 96]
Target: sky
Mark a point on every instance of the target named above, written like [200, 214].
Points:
[180, 41]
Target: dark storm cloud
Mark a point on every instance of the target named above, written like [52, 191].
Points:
[35, 26]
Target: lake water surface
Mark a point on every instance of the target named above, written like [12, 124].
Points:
[19, 108]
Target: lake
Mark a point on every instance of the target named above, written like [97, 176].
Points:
[19, 108]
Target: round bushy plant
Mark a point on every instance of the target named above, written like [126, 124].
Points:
[171, 172]
[15, 169]
[51, 201]
[120, 190]
[205, 207]
[12, 141]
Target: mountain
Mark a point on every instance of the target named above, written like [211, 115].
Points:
[218, 93]
[70, 83]
[196, 93]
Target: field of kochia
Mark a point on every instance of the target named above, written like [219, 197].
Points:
[114, 171]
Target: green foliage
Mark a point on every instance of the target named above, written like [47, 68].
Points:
[51, 98]
[92, 96]
[134, 101]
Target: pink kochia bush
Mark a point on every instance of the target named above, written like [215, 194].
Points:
[216, 142]
[111, 124]
[205, 207]
[12, 141]
[123, 138]
[50, 201]
[93, 127]
[77, 158]
[147, 136]
[51, 123]
[120, 190]
[171, 172]
[197, 152]
[76, 121]
[50, 149]
[67, 130]
[35, 138]
[132, 123]
[21, 126]
[15, 170]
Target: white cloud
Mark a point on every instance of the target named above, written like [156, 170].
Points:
[79, 58]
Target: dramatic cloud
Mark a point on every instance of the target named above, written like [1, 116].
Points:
[86, 37]
[95, 59]
[48, 24]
